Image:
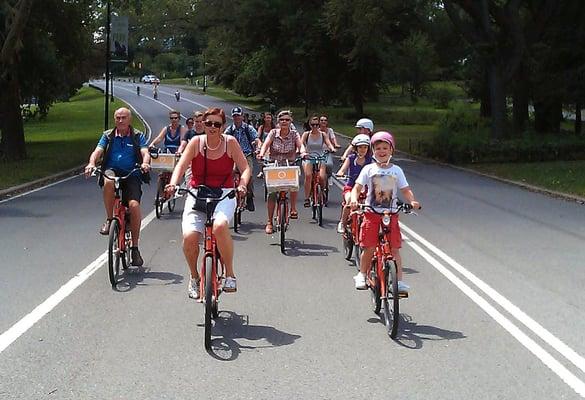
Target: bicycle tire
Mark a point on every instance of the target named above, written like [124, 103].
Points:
[391, 301]
[282, 224]
[236, 215]
[265, 193]
[114, 252]
[171, 205]
[126, 254]
[319, 210]
[375, 292]
[159, 200]
[357, 254]
[348, 244]
[208, 304]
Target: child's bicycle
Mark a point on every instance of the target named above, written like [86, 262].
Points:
[120, 238]
[381, 275]
[351, 231]
[317, 196]
[281, 179]
[212, 267]
[165, 162]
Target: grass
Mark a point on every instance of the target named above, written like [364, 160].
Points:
[560, 176]
[61, 142]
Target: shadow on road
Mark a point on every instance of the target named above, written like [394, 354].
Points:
[295, 248]
[230, 326]
[412, 335]
[133, 277]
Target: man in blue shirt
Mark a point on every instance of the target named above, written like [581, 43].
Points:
[247, 137]
[122, 148]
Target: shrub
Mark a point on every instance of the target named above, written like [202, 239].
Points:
[442, 96]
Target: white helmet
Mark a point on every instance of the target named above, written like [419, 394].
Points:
[365, 123]
[361, 140]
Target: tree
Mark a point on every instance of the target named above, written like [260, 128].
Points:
[417, 63]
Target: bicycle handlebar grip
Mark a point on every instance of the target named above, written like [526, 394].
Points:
[153, 152]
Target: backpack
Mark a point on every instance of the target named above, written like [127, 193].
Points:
[137, 155]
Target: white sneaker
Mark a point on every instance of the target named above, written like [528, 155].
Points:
[360, 281]
[193, 288]
[403, 287]
[340, 228]
[230, 285]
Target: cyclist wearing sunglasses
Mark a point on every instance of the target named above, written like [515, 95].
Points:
[171, 134]
[212, 157]
[315, 141]
[282, 144]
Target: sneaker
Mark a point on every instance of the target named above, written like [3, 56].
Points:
[229, 285]
[403, 288]
[360, 281]
[137, 260]
[250, 204]
[340, 228]
[105, 229]
[193, 288]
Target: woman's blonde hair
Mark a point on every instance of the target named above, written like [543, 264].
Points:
[283, 113]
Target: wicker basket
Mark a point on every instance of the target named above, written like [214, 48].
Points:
[164, 162]
[282, 178]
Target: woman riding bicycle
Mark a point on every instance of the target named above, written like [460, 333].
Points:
[211, 157]
[315, 141]
[282, 144]
[171, 135]
[382, 179]
[352, 166]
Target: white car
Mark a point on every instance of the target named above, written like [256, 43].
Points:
[150, 79]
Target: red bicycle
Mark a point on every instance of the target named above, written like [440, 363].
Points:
[165, 161]
[317, 196]
[120, 238]
[351, 232]
[381, 275]
[212, 267]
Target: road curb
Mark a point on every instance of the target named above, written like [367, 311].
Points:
[526, 186]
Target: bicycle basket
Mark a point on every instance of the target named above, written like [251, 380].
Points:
[282, 178]
[164, 162]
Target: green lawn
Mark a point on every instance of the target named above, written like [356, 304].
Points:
[63, 141]
[561, 176]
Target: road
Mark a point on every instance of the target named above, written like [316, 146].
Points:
[496, 308]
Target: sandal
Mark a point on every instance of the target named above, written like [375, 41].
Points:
[307, 203]
[268, 228]
[294, 214]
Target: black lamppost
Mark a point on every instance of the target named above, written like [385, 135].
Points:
[107, 92]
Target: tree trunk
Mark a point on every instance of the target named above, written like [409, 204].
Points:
[547, 115]
[12, 145]
[521, 99]
[485, 109]
[497, 101]
[578, 120]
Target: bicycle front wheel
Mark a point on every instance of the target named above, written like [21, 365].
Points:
[171, 205]
[282, 224]
[391, 300]
[348, 244]
[208, 300]
[159, 201]
[114, 252]
[375, 292]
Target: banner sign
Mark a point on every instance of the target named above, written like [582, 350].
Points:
[119, 38]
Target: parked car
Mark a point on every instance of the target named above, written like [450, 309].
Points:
[150, 79]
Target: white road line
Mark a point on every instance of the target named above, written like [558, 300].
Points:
[37, 189]
[25, 323]
[567, 376]
[518, 314]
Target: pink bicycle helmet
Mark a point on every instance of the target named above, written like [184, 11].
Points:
[385, 137]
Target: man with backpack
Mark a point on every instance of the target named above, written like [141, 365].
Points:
[122, 148]
[248, 139]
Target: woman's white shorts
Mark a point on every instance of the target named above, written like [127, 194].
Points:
[194, 221]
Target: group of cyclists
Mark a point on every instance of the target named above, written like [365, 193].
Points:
[209, 153]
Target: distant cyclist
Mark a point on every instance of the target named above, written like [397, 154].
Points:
[171, 134]
[155, 91]
[177, 95]
[138, 90]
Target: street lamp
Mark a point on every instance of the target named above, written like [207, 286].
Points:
[107, 91]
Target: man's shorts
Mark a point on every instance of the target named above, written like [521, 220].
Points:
[194, 221]
[131, 187]
[371, 226]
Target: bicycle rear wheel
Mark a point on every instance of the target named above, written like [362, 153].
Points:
[208, 304]
[391, 301]
[348, 244]
[126, 254]
[114, 252]
[159, 200]
[282, 225]
[171, 205]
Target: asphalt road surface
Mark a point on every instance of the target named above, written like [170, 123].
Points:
[496, 309]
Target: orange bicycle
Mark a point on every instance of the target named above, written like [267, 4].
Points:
[381, 275]
[212, 267]
[317, 196]
[120, 238]
[166, 162]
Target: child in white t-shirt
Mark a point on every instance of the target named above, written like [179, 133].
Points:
[383, 180]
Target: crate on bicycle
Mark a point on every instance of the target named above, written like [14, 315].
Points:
[282, 178]
[164, 162]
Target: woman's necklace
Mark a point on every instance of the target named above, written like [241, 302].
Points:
[213, 148]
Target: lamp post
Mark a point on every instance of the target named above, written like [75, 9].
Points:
[107, 91]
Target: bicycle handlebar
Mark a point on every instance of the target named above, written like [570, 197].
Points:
[231, 194]
[401, 206]
[112, 178]
[267, 162]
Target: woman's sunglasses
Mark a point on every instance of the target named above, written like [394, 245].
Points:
[314, 124]
[214, 124]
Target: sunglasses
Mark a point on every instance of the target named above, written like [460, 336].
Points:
[214, 124]
[314, 124]
[285, 120]
[174, 118]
